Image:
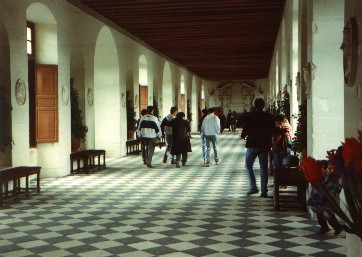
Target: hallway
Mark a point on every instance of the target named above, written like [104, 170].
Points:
[130, 210]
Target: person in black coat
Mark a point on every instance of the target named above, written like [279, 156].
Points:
[181, 144]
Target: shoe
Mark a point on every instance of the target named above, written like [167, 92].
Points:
[177, 165]
[144, 162]
[165, 159]
[323, 231]
[207, 164]
[150, 166]
[337, 231]
[264, 195]
[183, 164]
[252, 191]
[217, 162]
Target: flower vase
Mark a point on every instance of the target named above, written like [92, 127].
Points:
[354, 245]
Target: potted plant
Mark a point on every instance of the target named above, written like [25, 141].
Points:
[156, 111]
[300, 136]
[131, 117]
[78, 129]
[189, 113]
[5, 117]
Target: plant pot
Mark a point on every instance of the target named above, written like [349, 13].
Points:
[130, 134]
[354, 245]
[75, 144]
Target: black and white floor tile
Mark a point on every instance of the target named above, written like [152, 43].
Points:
[131, 210]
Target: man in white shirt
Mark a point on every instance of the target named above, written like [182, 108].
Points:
[210, 128]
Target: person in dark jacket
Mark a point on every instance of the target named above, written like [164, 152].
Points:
[258, 131]
[180, 138]
[167, 132]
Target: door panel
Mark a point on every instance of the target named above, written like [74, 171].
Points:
[46, 103]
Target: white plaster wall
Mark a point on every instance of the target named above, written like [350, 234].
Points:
[326, 103]
[353, 95]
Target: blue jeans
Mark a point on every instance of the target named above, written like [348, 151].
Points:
[211, 139]
[203, 147]
[262, 154]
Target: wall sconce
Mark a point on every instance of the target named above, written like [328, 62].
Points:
[123, 100]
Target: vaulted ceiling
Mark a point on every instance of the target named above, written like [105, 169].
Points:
[218, 40]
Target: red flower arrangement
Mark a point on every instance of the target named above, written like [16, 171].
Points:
[346, 164]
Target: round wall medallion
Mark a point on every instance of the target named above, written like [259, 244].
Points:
[20, 92]
[90, 97]
[350, 51]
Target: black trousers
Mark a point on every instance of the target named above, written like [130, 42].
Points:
[333, 222]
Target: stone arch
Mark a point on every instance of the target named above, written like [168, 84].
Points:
[107, 105]
[46, 53]
[166, 90]
[5, 95]
[46, 35]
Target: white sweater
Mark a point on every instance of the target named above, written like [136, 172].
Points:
[211, 125]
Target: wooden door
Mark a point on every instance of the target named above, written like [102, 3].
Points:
[46, 103]
[143, 97]
[182, 107]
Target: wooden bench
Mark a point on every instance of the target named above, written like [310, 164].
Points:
[133, 146]
[289, 177]
[86, 160]
[14, 175]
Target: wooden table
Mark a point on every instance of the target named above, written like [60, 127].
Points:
[14, 175]
[86, 160]
[290, 177]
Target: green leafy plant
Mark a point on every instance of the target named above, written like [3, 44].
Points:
[78, 129]
[131, 114]
[189, 113]
[285, 104]
[300, 136]
[156, 111]
[6, 139]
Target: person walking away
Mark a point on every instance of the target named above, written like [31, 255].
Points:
[258, 131]
[228, 120]
[210, 128]
[181, 144]
[222, 122]
[233, 121]
[203, 139]
[167, 132]
[149, 130]
[143, 147]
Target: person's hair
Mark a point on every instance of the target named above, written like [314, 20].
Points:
[180, 115]
[173, 110]
[204, 111]
[150, 109]
[281, 117]
[259, 104]
[211, 110]
[143, 112]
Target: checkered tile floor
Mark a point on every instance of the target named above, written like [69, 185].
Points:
[131, 210]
